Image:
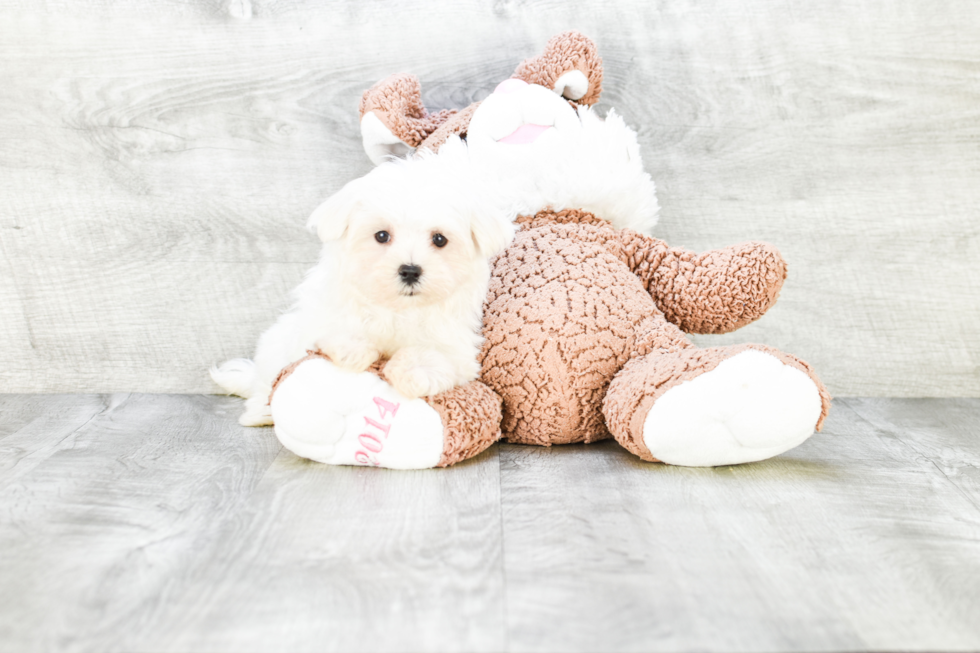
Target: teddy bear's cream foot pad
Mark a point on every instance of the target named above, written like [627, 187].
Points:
[343, 418]
[748, 408]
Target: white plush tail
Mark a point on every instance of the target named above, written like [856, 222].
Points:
[236, 376]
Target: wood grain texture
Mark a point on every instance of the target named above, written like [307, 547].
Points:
[103, 511]
[348, 559]
[852, 541]
[943, 433]
[33, 427]
[159, 160]
[156, 523]
[162, 525]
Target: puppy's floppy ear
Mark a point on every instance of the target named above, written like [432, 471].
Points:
[331, 219]
[491, 215]
[493, 229]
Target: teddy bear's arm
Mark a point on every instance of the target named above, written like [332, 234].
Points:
[712, 292]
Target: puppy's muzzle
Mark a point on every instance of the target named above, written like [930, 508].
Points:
[410, 274]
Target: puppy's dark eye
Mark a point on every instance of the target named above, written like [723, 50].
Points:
[439, 240]
[382, 236]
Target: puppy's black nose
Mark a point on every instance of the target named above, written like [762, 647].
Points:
[410, 274]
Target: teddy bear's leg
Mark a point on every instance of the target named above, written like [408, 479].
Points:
[717, 291]
[570, 66]
[393, 120]
[343, 418]
[714, 406]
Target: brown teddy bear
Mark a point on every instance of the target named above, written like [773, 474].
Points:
[586, 314]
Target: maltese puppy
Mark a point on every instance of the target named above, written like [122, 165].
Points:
[403, 275]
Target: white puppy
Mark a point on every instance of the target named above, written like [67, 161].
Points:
[403, 275]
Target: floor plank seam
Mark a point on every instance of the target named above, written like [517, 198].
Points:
[877, 429]
[963, 494]
[105, 408]
[56, 446]
[154, 526]
[503, 552]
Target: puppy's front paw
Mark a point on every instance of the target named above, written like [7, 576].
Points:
[257, 411]
[350, 356]
[418, 373]
[414, 382]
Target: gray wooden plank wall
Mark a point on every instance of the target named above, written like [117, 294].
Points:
[159, 157]
[156, 523]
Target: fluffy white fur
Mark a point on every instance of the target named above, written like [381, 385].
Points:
[354, 305]
[583, 161]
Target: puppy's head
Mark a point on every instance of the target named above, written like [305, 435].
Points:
[415, 232]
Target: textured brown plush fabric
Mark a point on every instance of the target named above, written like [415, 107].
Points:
[397, 102]
[573, 301]
[397, 99]
[456, 124]
[645, 379]
[470, 413]
[577, 346]
[584, 325]
[563, 315]
[565, 52]
[712, 292]
[471, 417]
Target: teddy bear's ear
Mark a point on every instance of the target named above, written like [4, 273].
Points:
[331, 219]
[380, 143]
[393, 120]
[570, 66]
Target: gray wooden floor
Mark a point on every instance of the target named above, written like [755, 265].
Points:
[156, 523]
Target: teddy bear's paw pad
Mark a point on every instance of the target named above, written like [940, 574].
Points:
[344, 418]
[750, 407]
